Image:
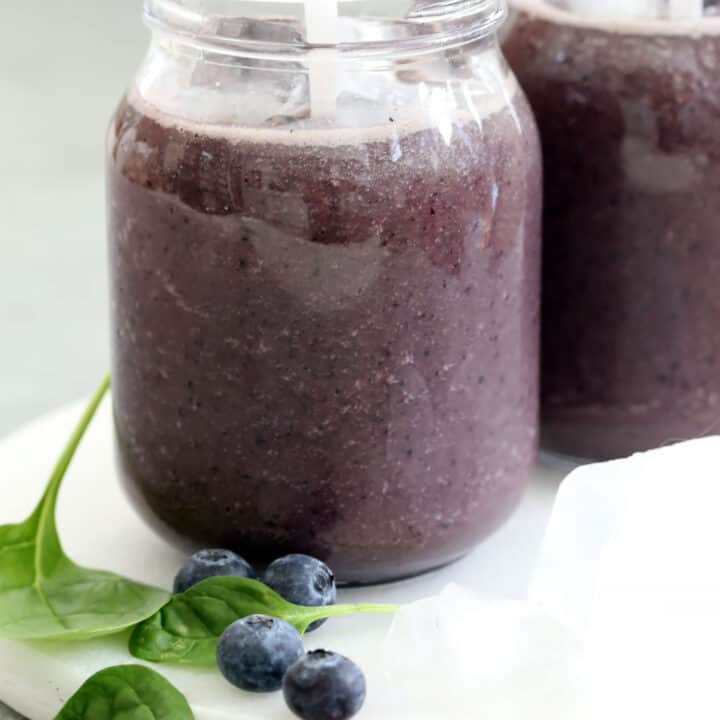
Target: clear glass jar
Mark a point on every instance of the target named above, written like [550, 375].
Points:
[325, 264]
[628, 113]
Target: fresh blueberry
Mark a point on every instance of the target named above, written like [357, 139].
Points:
[324, 686]
[211, 563]
[254, 653]
[302, 580]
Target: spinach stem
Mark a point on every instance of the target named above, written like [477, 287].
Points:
[327, 611]
[82, 426]
[45, 511]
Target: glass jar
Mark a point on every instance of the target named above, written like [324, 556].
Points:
[628, 112]
[324, 238]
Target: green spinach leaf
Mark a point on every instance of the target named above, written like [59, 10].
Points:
[187, 629]
[126, 692]
[43, 594]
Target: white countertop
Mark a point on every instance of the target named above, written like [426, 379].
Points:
[38, 677]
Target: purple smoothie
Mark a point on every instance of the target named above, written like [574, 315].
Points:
[628, 115]
[326, 341]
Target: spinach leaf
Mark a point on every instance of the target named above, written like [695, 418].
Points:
[187, 629]
[43, 594]
[126, 692]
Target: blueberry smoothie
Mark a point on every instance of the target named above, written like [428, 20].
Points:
[326, 341]
[628, 114]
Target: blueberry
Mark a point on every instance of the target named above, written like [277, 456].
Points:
[254, 653]
[324, 686]
[211, 563]
[302, 580]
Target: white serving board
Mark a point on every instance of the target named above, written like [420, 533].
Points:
[100, 529]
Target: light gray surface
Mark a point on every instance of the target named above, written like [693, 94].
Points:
[63, 68]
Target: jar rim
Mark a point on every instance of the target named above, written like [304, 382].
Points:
[431, 24]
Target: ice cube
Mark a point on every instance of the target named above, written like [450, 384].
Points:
[685, 9]
[615, 9]
[461, 656]
[652, 644]
[268, 29]
[295, 98]
[657, 510]
[630, 562]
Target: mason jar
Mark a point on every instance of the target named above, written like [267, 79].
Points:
[324, 228]
[627, 98]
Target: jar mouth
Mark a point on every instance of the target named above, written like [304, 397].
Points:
[241, 27]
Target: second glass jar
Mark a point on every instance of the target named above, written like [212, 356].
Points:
[628, 111]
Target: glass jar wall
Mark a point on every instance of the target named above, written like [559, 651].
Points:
[325, 266]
